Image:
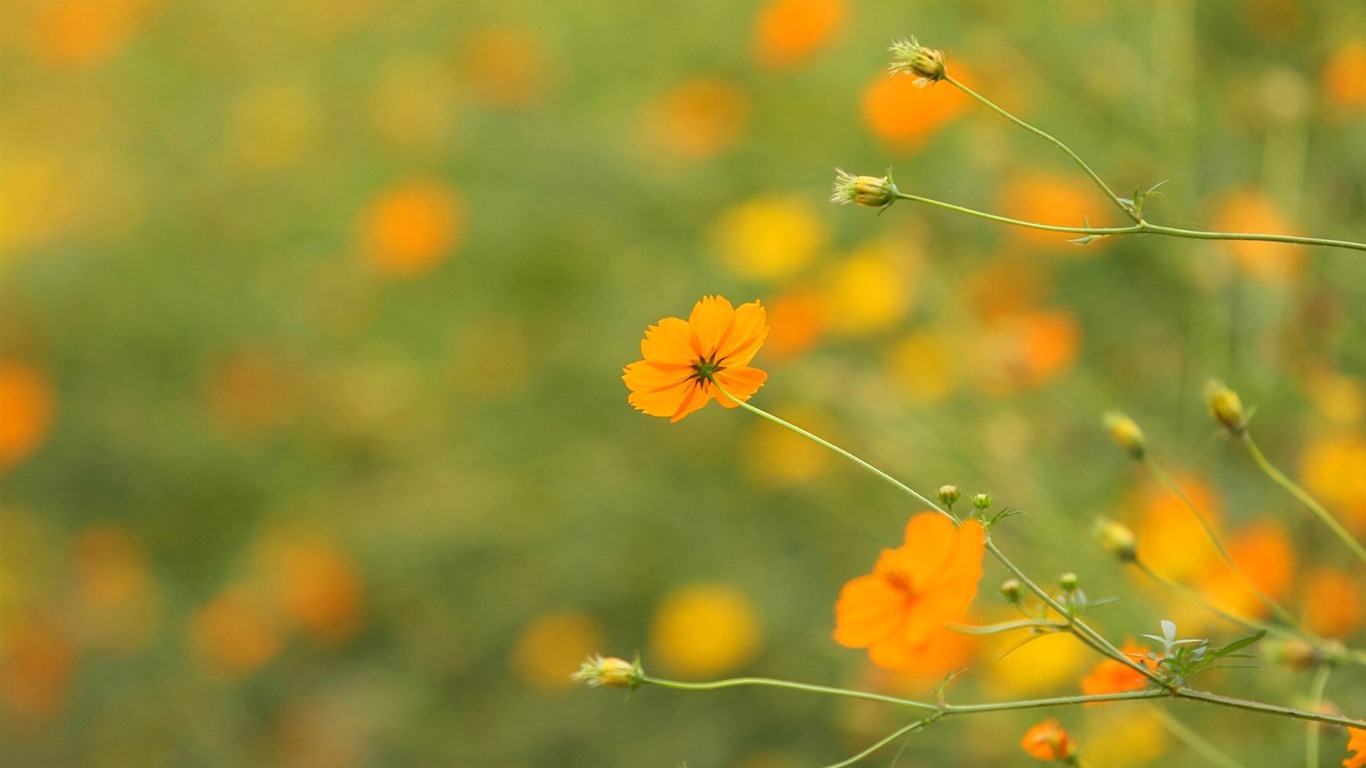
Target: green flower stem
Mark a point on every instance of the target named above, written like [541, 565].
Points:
[946, 710]
[1302, 496]
[1007, 626]
[1166, 481]
[1140, 228]
[1316, 688]
[891, 737]
[831, 446]
[1128, 211]
[1197, 743]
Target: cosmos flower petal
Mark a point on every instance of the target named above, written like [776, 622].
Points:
[868, 610]
[747, 331]
[668, 342]
[709, 320]
[741, 383]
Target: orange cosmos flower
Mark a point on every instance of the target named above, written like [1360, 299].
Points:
[1048, 741]
[686, 360]
[1356, 742]
[913, 590]
[1110, 676]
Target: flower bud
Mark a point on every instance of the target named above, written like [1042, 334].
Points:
[1116, 539]
[870, 191]
[1225, 406]
[981, 501]
[1125, 433]
[1294, 654]
[1049, 742]
[948, 494]
[1011, 590]
[610, 672]
[1068, 582]
[910, 56]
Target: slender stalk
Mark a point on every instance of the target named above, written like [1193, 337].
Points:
[893, 736]
[831, 446]
[1316, 688]
[1303, 497]
[1140, 228]
[946, 710]
[1128, 211]
[1195, 597]
[1166, 481]
[1197, 743]
[1006, 626]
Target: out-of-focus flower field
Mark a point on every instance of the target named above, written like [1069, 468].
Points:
[314, 449]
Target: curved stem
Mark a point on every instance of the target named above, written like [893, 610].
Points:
[1316, 688]
[1128, 211]
[893, 736]
[1140, 228]
[1197, 743]
[1166, 481]
[946, 710]
[1303, 497]
[1006, 626]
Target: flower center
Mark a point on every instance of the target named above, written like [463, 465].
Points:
[703, 370]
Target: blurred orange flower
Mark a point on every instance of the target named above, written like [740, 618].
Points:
[904, 115]
[26, 401]
[1356, 742]
[1111, 676]
[1048, 741]
[410, 228]
[235, 634]
[1061, 201]
[913, 591]
[1333, 603]
[686, 360]
[697, 119]
[1264, 554]
[1251, 210]
[1341, 76]
[790, 31]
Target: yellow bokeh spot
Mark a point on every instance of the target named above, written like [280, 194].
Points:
[704, 629]
[1123, 739]
[1047, 663]
[869, 290]
[779, 457]
[1332, 470]
[274, 124]
[925, 366]
[413, 103]
[1340, 400]
[766, 238]
[553, 646]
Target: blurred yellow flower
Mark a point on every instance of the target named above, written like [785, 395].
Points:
[551, 647]
[274, 124]
[869, 290]
[703, 630]
[1331, 469]
[412, 103]
[27, 402]
[788, 32]
[769, 237]
[779, 457]
[1124, 738]
[1043, 664]
[318, 587]
[925, 366]
[506, 67]
[1170, 538]
[411, 227]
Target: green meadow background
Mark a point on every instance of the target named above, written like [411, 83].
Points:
[314, 449]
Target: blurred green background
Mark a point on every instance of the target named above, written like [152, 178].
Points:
[314, 449]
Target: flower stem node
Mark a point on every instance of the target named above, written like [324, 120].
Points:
[981, 501]
[1226, 407]
[868, 191]
[909, 56]
[1117, 540]
[949, 495]
[1125, 433]
[610, 672]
